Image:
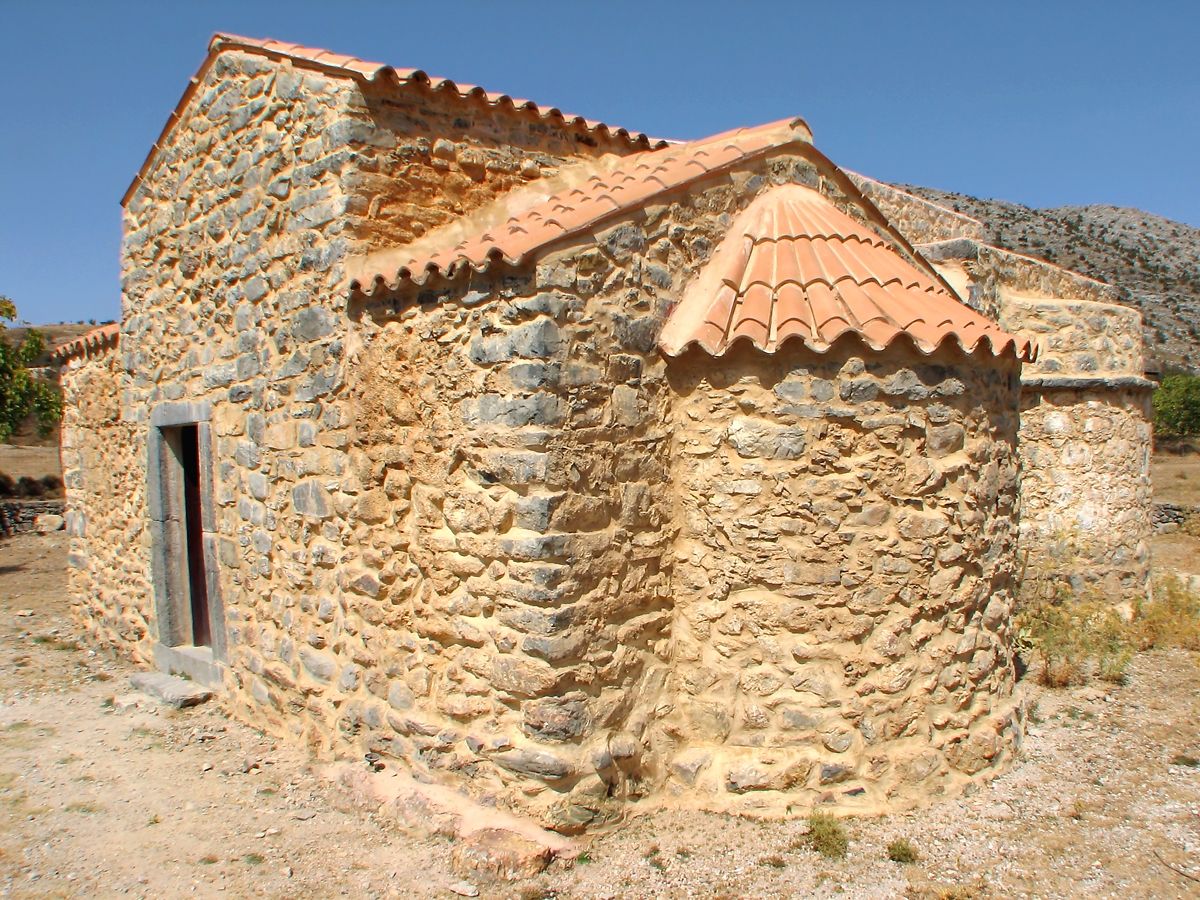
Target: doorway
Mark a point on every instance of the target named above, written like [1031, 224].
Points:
[189, 615]
[185, 442]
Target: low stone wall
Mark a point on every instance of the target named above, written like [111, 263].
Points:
[18, 516]
[917, 219]
[1168, 517]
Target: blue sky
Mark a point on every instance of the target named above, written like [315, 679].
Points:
[1046, 103]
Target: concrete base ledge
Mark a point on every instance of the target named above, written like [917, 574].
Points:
[197, 663]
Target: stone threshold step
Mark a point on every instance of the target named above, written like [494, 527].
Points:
[168, 689]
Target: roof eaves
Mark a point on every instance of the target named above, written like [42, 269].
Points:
[791, 132]
[94, 341]
[373, 72]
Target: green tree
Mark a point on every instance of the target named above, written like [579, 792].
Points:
[22, 393]
[1177, 406]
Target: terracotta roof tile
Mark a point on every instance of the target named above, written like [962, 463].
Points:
[375, 72]
[94, 341]
[634, 180]
[794, 266]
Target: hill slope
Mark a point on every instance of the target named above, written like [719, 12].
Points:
[1154, 262]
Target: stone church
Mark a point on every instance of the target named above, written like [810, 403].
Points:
[579, 470]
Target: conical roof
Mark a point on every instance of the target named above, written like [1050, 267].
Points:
[794, 266]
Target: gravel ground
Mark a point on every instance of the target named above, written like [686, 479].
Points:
[101, 796]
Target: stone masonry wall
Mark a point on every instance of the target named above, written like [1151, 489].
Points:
[517, 523]
[231, 275]
[18, 516]
[1085, 488]
[1085, 434]
[426, 159]
[107, 577]
[917, 219]
[843, 578]
[1076, 337]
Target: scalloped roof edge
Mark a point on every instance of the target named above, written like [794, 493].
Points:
[103, 338]
[1023, 350]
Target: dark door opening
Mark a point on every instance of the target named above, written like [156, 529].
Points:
[189, 459]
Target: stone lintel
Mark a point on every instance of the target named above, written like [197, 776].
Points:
[166, 415]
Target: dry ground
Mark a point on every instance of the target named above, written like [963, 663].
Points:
[20, 461]
[1176, 480]
[100, 798]
[102, 801]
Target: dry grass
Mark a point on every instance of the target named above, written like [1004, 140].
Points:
[1169, 619]
[827, 835]
[1076, 638]
[1176, 478]
[901, 851]
[85, 808]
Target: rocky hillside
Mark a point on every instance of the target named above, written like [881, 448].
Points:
[1154, 262]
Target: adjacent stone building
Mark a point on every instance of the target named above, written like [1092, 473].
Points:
[573, 469]
[1086, 501]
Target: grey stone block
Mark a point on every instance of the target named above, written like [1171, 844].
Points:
[311, 499]
[623, 241]
[535, 763]
[555, 718]
[312, 323]
[535, 340]
[322, 666]
[497, 409]
[532, 375]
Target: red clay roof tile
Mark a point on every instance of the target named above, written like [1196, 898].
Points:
[794, 266]
[97, 339]
[352, 66]
[633, 181]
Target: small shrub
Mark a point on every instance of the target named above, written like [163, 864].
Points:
[583, 858]
[775, 861]
[1177, 405]
[827, 836]
[1074, 637]
[901, 851]
[1182, 759]
[1170, 619]
[29, 487]
[254, 859]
